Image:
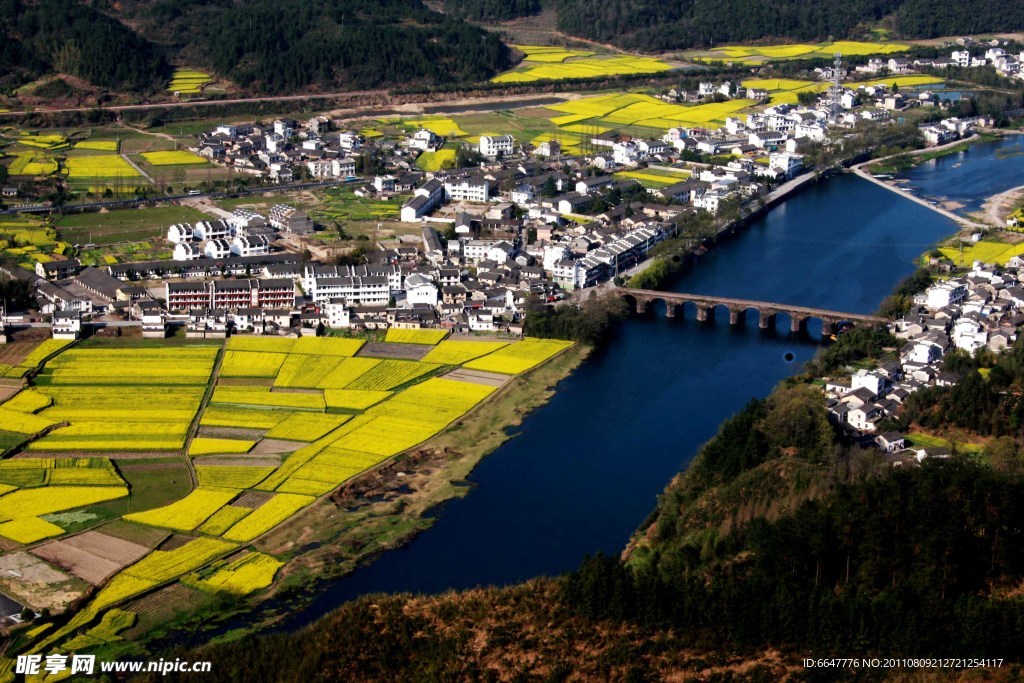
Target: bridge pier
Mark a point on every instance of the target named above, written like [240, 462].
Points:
[670, 309]
[766, 320]
[705, 313]
[828, 327]
[737, 316]
[641, 306]
[797, 323]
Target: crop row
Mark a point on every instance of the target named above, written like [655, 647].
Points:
[306, 426]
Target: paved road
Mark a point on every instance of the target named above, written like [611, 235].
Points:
[201, 103]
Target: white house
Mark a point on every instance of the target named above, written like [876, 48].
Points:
[250, 245]
[419, 289]
[493, 146]
[178, 233]
[218, 248]
[337, 312]
[472, 189]
[790, 164]
[208, 230]
[943, 294]
[186, 251]
[487, 250]
[425, 140]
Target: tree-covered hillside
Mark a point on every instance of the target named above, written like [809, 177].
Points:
[69, 37]
[674, 24]
[492, 10]
[267, 46]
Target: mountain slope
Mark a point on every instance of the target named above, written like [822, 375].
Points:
[678, 24]
[264, 46]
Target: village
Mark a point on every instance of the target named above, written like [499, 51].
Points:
[524, 223]
[977, 311]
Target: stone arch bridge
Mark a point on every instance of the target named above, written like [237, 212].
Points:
[766, 311]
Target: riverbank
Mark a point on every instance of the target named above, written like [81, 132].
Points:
[868, 169]
[378, 511]
[999, 206]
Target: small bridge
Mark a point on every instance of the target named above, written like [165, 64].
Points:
[766, 311]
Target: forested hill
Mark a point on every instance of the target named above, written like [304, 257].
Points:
[265, 46]
[676, 24]
[66, 36]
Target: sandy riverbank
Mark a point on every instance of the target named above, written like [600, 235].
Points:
[997, 207]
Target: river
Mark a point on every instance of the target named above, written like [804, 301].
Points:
[972, 176]
[585, 470]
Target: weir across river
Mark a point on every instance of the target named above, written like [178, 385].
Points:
[766, 310]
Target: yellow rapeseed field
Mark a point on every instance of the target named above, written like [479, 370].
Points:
[519, 357]
[244, 575]
[235, 477]
[178, 157]
[306, 426]
[43, 501]
[29, 530]
[101, 166]
[185, 514]
[251, 364]
[267, 516]
[428, 337]
[202, 445]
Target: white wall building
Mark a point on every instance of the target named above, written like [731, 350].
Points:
[493, 146]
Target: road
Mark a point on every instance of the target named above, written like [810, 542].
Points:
[203, 103]
[995, 206]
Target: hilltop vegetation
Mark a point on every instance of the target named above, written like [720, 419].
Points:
[263, 46]
[674, 24]
[492, 10]
[70, 37]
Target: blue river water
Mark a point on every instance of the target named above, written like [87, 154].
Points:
[585, 470]
[972, 176]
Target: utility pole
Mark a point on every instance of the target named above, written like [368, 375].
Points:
[836, 89]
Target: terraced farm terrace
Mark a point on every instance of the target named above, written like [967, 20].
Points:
[146, 466]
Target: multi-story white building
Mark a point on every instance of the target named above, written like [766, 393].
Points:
[493, 146]
[475, 251]
[357, 291]
[471, 189]
[419, 289]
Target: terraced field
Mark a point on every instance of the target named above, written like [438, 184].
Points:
[343, 415]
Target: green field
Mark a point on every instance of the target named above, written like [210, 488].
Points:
[124, 225]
